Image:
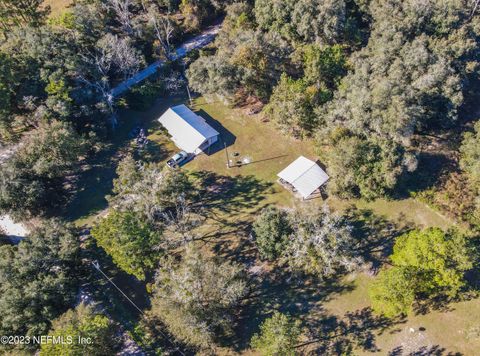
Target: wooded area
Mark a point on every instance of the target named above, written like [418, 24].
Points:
[384, 92]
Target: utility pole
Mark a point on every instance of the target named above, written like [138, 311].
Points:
[226, 154]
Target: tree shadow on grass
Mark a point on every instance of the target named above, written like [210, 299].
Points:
[331, 335]
[375, 235]
[431, 166]
[92, 185]
[435, 350]
[281, 291]
[228, 195]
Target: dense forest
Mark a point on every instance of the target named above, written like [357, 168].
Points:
[378, 86]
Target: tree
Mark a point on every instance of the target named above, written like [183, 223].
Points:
[212, 75]
[150, 190]
[409, 78]
[163, 198]
[392, 293]
[306, 20]
[321, 244]
[51, 149]
[164, 29]
[247, 63]
[130, 241]
[291, 106]
[470, 155]
[82, 322]
[195, 297]
[319, 21]
[196, 12]
[365, 168]
[113, 59]
[128, 173]
[3, 237]
[31, 181]
[278, 335]
[26, 12]
[426, 263]
[7, 80]
[272, 230]
[38, 279]
[324, 66]
[123, 14]
[441, 258]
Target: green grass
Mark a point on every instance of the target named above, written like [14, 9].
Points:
[240, 193]
[268, 151]
[456, 329]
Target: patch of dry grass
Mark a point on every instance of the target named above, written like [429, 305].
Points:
[57, 6]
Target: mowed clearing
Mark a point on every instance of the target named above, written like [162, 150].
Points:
[234, 196]
[456, 329]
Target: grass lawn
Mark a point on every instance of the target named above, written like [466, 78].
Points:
[270, 152]
[440, 332]
[239, 194]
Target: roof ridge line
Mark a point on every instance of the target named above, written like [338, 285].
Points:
[309, 168]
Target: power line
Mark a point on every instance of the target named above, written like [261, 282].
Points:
[97, 267]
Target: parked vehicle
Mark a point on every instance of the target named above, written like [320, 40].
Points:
[178, 159]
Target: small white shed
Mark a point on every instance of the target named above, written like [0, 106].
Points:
[304, 175]
[189, 131]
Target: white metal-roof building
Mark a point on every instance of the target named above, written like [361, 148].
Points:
[189, 131]
[304, 175]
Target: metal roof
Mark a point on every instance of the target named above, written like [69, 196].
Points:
[188, 130]
[305, 175]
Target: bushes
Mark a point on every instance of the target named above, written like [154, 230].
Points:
[455, 197]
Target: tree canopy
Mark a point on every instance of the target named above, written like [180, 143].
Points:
[317, 242]
[425, 264]
[381, 71]
[38, 279]
[32, 180]
[470, 151]
[279, 335]
[272, 230]
[321, 243]
[195, 297]
[132, 243]
[82, 322]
